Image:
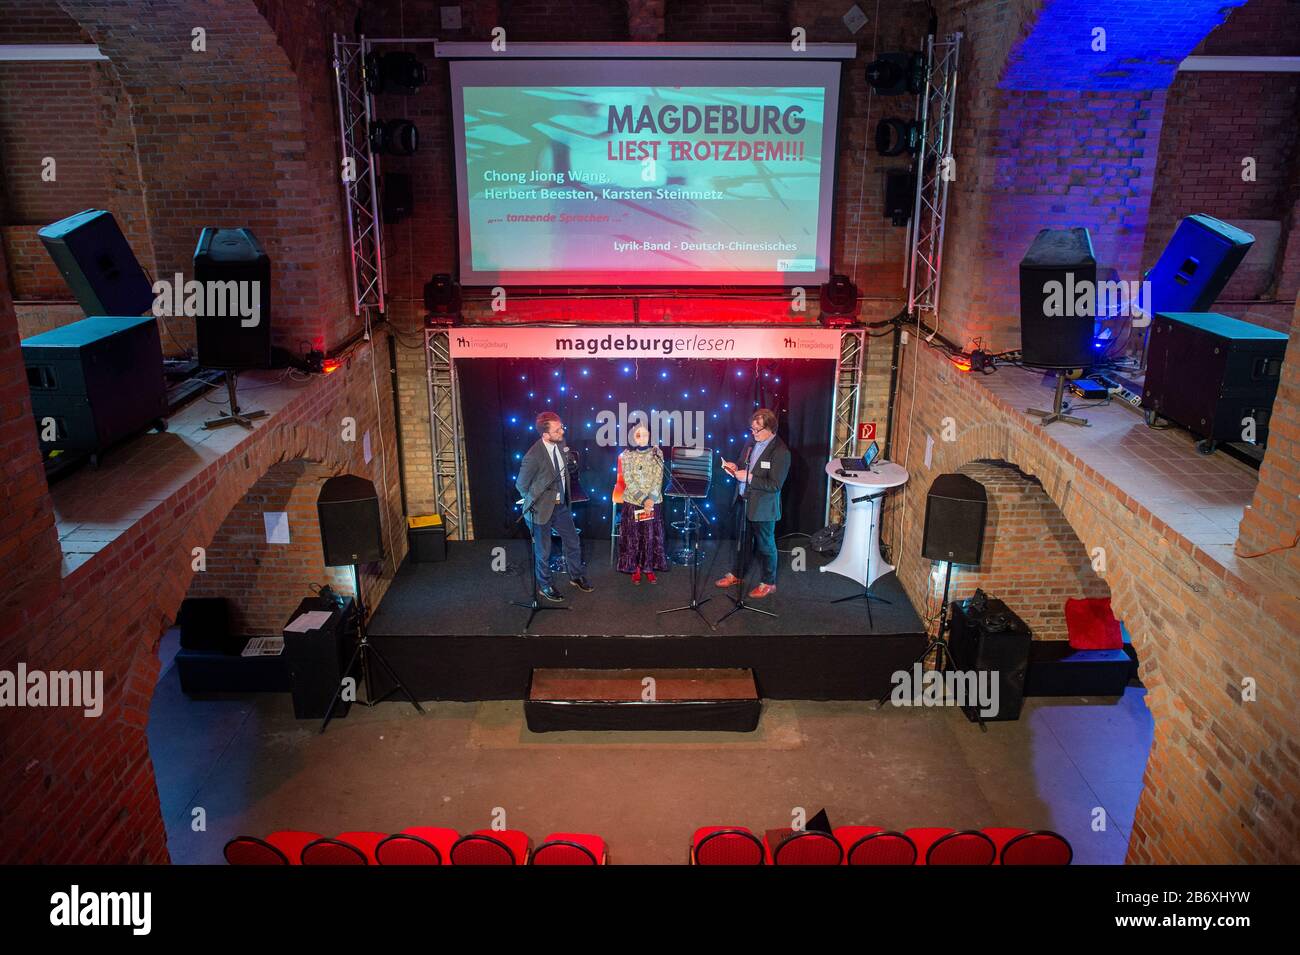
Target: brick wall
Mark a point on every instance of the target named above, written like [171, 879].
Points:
[1032, 558]
[1222, 784]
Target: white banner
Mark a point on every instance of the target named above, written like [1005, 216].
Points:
[642, 341]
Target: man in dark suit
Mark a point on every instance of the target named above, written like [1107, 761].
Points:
[544, 482]
[766, 462]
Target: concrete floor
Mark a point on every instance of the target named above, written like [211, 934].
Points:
[252, 768]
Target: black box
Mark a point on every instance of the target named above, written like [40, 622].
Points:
[100, 379]
[996, 640]
[224, 256]
[318, 659]
[96, 261]
[1208, 372]
[428, 544]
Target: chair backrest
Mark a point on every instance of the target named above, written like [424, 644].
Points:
[809, 847]
[401, 848]
[475, 848]
[327, 851]
[1041, 847]
[729, 847]
[963, 847]
[692, 471]
[250, 850]
[563, 852]
[883, 848]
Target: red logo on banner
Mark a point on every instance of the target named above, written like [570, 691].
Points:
[866, 431]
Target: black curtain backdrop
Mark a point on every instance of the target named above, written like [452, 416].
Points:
[501, 397]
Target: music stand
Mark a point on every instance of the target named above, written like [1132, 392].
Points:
[694, 549]
[363, 652]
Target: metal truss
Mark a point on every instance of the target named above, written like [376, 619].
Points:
[446, 433]
[359, 171]
[844, 420]
[936, 109]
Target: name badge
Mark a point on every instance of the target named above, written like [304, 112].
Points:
[765, 464]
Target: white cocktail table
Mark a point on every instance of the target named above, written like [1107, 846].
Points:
[864, 492]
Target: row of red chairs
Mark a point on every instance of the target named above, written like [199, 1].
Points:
[875, 845]
[418, 845]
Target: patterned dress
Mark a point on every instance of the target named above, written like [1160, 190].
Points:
[641, 543]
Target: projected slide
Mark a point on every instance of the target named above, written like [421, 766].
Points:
[647, 184]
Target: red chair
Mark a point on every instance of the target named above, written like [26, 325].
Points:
[347, 848]
[807, 847]
[279, 848]
[726, 845]
[952, 847]
[1025, 847]
[570, 848]
[418, 845]
[492, 847]
[875, 845]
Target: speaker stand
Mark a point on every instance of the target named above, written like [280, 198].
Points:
[1056, 414]
[234, 415]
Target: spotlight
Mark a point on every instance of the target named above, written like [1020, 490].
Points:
[893, 74]
[894, 136]
[442, 298]
[398, 71]
[396, 137]
[839, 301]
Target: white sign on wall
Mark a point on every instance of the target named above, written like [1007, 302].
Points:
[643, 341]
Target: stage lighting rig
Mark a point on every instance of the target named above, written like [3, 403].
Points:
[397, 71]
[893, 74]
[839, 302]
[394, 137]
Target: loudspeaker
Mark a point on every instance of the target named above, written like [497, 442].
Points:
[839, 296]
[96, 261]
[900, 195]
[442, 295]
[992, 640]
[1196, 264]
[955, 509]
[233, 255]
[350, 532]
[397, 197]
[893, 74]
[318, 659]
[1057, 267]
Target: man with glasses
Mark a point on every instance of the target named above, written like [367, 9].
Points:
[544, 482]
[759, 482]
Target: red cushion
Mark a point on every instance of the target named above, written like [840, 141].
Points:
[1037, 848]
[1091, 624]
[1000, 837]
[553, 851]
[487, 851]
[886, 848]
[961, 848]
[730, 849]
[807, 848]
[403, 849]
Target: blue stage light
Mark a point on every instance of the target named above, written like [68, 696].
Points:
[663, 374]
[627, 369]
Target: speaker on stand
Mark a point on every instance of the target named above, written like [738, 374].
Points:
[956, 508]
[232, 267]
[96, 261]
[1054, 332]
[351, 534]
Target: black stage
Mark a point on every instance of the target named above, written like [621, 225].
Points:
[451, 633]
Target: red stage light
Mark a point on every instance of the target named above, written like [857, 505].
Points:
[331, 365]
[961, 361]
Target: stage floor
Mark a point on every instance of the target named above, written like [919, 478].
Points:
[451, 633]
[463, 596]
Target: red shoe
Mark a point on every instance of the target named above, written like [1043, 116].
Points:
[728, 581]
[636, 578]
[762, 590]
[650, 577]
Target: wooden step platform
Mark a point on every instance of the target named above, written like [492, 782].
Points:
[716, 700]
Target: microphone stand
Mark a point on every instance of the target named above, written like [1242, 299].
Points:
[534, 607]
[694, 547]
[744, 543]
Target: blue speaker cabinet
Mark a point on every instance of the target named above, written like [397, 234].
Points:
[1196, 264]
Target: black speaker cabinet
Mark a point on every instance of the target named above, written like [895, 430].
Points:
[96, 261]
[1059, 264]
[350, 531]
[99, 379]
[995, 641]
[1209, 372]
[230, 340]
[318, 659]
[1201, 256]
[900, 195]
[955, 509]
[398, 197]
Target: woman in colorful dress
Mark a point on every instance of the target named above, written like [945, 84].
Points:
[641, 540]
